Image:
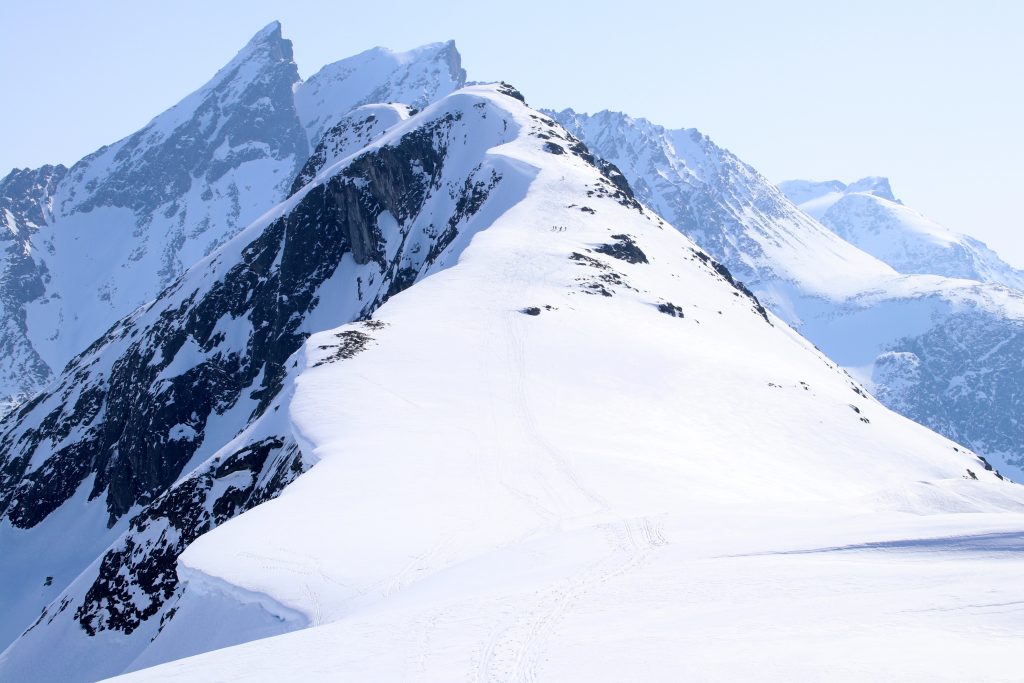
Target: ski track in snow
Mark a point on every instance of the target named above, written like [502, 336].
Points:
[514, 650]
[418, 564]
[515, 349]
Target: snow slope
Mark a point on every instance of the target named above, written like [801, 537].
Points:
[868, 215]
[583, 452]
[943, 351]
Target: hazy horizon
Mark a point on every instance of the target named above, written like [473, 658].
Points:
[922, 93]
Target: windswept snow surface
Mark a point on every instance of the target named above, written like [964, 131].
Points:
[581, 453]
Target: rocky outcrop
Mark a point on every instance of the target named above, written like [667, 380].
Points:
[177, 355]
[26, 198]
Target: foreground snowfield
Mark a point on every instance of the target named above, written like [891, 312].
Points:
[673, 602]
[520, 478]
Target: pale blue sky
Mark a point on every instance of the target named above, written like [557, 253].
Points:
[930, 94]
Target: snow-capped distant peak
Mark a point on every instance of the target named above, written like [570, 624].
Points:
[867, 214]
[817, 197]
[803, 191]
[416, 77]
[875, 185]
[267, 37]
[266, 51]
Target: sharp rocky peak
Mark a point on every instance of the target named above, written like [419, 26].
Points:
[803, 191]
[268, 41]
[875, 185]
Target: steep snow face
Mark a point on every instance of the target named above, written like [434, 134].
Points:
[867, 215]
[584, 452]
[853, 306]
[416, 78]
[174, 420]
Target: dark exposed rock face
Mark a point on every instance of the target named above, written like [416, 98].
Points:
[124, 397]
[929, 379]
[741, 289]
[623, 248]
[348, 344]
[506, 89]
[612, 173]
[669, 308]
[25, 198]
[137, 576]
[26, 193]
[354, 131]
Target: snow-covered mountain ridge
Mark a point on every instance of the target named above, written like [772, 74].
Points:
[900, 334]
[461, 405]
[725, 205]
